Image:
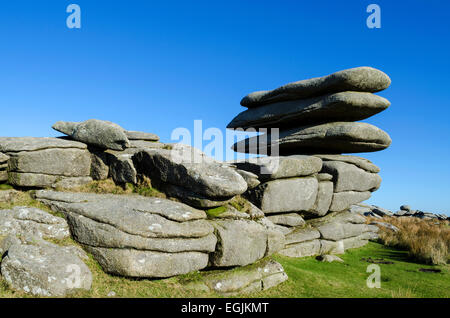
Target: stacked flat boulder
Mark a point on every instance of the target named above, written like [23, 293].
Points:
[317, 115]
[309, 127]
[136, 236]
[45, 162]
[3, 167]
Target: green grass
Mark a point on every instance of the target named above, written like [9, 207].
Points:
[307, 278]
[215, 212]
[5, 186]
[311, 278]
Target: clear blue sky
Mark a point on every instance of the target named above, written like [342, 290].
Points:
[155, 66]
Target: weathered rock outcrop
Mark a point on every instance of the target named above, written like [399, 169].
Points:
[42, 268]
[358, 79]
[329, 138]
[249, 279]
[332, 234]
[22, 220]
[99, 133]
[45, 162]
[137, 236]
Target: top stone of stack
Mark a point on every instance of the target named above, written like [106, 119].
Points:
[317, 115]
[358, 79]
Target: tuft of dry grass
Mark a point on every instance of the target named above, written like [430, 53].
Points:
[427, 241]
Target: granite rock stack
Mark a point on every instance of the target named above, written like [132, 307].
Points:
[309, 181]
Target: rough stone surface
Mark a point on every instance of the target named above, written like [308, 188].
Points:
[139, 135]
[99, 165]
[405, 208]
[329, 258]
[22, 220]
[343, 200]
[343, 106]
[324, 198]
[193, 199]
[122, 168]
[270, 168]
[199, 174]
[324, 177]
[308, 248]
[136, 215]
[362, 163]
[63, 162]
[3, 176]
[330, 138]
[71, 183]
[302, 235]
[37, 180]
[253, 278]
[285, 195]
[359, 79]
[3, 158]
[100, 133]
[90, 232]
[17, 144]
[44, 269]
[385, 225]
[241, 242]
[137, 263]
[348, 177]
[339, 231]
[8, 196]
[251, 178]
[287, 219]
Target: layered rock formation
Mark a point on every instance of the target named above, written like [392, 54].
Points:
[45, 162]
[203, 213]
[306, 175]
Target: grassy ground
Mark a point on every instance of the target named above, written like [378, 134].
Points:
[307, 278]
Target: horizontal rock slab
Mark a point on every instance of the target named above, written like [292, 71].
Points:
[191, 198]
[359, 79]
[302, 234]
[287, 219]
[44, 269]
[22, 221]
[343, 200]
[17, 144]
[338, 217]
[334, 138]
[344, 106]
[324, 177]
[190, 170]
[136, 215]
[362, 163]
[242, 242]
[99, 133]
[253, 278]
[62, 162]
[37, 180]
[71, 183]
[285, 195]
[303, 249]
[270, 168]
[3, 158]
[348, 177]
[340, 231]
[147, 264]
[139, 135]
[89, 232]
